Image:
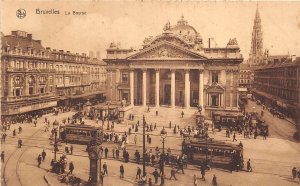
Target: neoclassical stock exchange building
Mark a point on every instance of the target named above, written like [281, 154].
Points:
[174, 69]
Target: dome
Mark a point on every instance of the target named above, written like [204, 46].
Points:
[182, 28]
[186, 32]
[182, 34]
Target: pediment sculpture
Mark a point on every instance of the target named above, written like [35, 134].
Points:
[164, 52]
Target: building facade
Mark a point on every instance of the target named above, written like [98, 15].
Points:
[34, 77]
[245, 76]
[175, 69]
[277, 84]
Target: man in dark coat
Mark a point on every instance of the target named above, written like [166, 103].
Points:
[44, 155]
[106, 152]
[138, 173]
[71, 167]
[122, 171]
[39, 159]
[105, 169]
[155, 174]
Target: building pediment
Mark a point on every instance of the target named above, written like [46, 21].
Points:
[166, 50]
[215, 88]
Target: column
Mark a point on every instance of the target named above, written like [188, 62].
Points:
[131, 87]
[231, 84]
[173, 88]
[187, 88]
[144, 87]
[201, 93]
[157, 87]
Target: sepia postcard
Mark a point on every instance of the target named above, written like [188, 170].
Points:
[184, 93]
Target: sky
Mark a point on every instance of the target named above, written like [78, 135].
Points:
[131, 21]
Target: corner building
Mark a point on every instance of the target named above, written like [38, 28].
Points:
[174, 69]
[35, 78]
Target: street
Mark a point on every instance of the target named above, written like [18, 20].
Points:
[272, 159]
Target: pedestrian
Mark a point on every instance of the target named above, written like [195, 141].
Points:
[19, 143]
[14, 132]
[44, 155]
[20, 129]
[122, 171]
[170, 125]
[203, 172]
[214, 181]
[2, 157]
[148, 110]
[249, 168]
[71, 167]
[39, 159]
[182, 113]
[67, 149]
[106, 152]
[298, 173]
[195, 180]
[149, 140]
[105, 169]
[234, 137]
[150, 182]
[173, 172]
[113, 152]
[138, 173]
[294, 173]
[135, 139]
[155, 174]
[117, 153]
[71, 149]
[156, 113]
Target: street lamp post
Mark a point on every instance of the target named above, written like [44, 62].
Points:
[163, 135]
[55, 143]
[144, 147]
[100, 159]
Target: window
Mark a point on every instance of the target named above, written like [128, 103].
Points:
[42, 90]
[125, 77]
[17, 79]
[18, 92]
[215, 77]
[30, 90]
[50, 79]
[214, 100]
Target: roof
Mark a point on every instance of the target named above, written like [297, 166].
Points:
[23, 43]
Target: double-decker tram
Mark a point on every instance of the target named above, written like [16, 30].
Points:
[214, 153]
[80, 134]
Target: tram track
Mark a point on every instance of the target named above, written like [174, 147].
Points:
[18, 153]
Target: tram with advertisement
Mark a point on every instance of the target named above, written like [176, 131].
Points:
[214, 153]
[225, 119]
[80, 134]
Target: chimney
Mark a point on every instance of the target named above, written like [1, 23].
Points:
[29, 36]
[48, 48]
[68, 52]
[61, 51]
